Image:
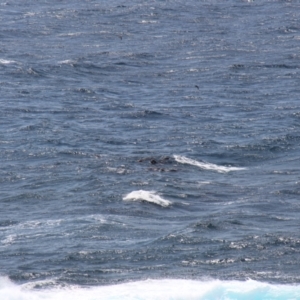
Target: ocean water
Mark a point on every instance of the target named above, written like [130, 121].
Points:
[149, 149]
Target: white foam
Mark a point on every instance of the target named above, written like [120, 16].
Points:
[67, 62]
[9, 239]
[156, 290]
[148, 22]
[205, 165]
[6, 62]
[149, 196]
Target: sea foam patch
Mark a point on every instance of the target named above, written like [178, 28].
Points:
[157, 290]
[205, 165]
[148, 196]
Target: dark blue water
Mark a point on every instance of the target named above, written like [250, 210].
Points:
[149, 140]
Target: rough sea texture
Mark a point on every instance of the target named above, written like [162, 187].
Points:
[149, 140]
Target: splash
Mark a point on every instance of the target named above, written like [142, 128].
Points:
[157, 290]
[148, 196]
[205, 165]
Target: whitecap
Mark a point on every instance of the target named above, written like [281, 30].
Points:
[30, 14]
[9, 239]
[67, 62]
[71, 34]
[205, 165]
[148, 196]
[6, 62]
[164, 289]
[147, 22]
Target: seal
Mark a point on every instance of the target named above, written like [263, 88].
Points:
[159, 162]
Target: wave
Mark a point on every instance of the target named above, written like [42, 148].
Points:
[205, 165]
[156, 289]
[148, 196]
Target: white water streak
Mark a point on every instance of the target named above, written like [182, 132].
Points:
[205, 165]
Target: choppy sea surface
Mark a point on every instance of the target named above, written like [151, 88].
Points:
[149, 149]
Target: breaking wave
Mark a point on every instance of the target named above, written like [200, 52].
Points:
[148, 196]
[156, 289]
